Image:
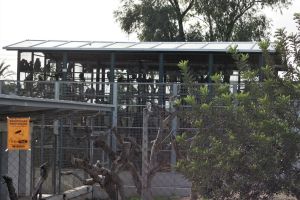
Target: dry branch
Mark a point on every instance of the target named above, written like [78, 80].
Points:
[104, 177]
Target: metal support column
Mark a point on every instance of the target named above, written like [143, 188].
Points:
[32, 60]
[111, 77]
[97, 83]
[161, 79]
[64, 67]
[45, 63]
[18, 66]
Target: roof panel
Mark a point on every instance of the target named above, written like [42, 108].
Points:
[92, 45]
[193, 45]
[27, 43]
[243, 45]
[50, 44]
[72, 45]
[145, 45]
[120, 45]
[169, 45]
[222, 46]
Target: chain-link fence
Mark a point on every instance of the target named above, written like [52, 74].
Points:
[57, 137]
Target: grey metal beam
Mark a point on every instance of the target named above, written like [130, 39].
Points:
[52, 104]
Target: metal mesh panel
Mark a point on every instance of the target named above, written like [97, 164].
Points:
[37, 89]
[57, 136]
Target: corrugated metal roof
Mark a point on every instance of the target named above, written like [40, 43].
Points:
[61, 45]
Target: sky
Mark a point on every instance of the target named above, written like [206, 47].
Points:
[87, 20]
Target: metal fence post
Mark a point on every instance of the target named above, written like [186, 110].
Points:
[174, 123]
[59, 158]
[57, 90]
[54, 156]
[145, 155]
[115, 113]
[42, 140]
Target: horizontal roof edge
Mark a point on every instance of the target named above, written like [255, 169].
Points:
[102, 46]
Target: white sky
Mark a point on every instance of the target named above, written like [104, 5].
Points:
[79, 20]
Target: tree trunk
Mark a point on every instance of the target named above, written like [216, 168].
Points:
[181, 35]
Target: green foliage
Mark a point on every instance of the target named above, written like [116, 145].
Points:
[234, 19]
[288, 48]
[247, 145]
[187, 76]
[154, 20]
[196, 20]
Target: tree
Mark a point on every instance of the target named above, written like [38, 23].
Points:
[196, 20]
[4, 70]
[155, 20]
[246, 145]
[124, 159]
[222, 17]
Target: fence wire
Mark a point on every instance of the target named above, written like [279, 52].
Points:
[58, 136]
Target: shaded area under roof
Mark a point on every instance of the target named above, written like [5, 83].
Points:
[60, 45]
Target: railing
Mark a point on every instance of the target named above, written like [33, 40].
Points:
[59, 90]
[92, 92]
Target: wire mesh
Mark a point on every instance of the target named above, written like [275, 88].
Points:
[58, 136]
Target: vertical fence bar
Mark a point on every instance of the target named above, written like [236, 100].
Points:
[145, 155]
[32, 183]
[54, 159]
[174, 123]
[60, 151]
[42, 140]
[114, 114]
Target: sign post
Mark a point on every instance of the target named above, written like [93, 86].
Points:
[18, 130]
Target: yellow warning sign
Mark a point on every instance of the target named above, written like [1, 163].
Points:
[18, 130]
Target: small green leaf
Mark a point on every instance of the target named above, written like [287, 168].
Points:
[190, 100]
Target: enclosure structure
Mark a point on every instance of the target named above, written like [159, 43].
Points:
[126, 62]
[93, 61]
[123, 75]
